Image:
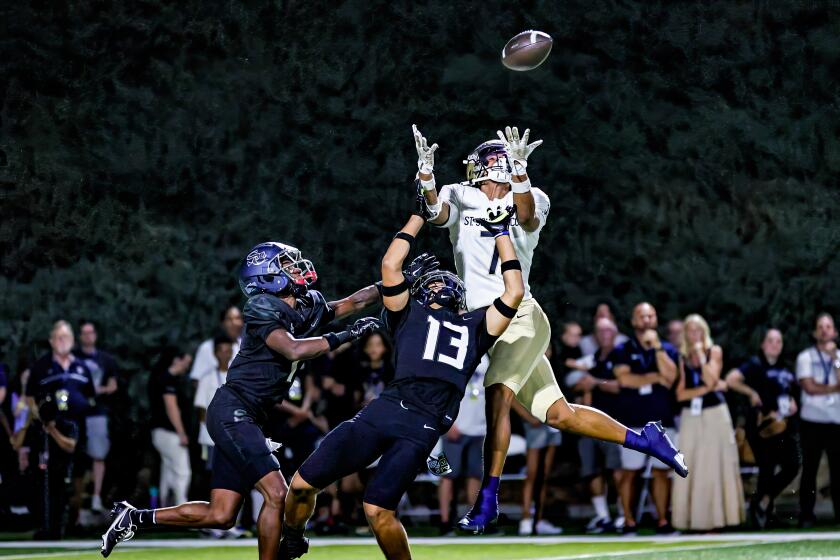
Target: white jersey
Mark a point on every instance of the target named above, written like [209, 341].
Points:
[476, 258]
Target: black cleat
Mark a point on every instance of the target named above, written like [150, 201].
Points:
[293, 547]
[121, 529]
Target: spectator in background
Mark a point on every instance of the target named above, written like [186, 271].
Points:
[569, 352]
[7, 463]
[589, 343]
[674, 332]
[816, 370]
[169, 436]
[541, 442]
[712, 497]
[103, 370]
[596, 384]
[231, 324]
[375, 365]
[772, 429]
[462, 445]
[60, 392]
[646, 369]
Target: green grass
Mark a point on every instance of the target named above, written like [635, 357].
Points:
[677, 550]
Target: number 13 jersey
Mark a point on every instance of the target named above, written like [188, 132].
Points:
[476, 258]
[436, 352]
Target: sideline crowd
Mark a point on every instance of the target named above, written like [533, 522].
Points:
[78, 432]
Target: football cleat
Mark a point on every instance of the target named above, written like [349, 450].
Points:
[122, 528]
[481, 517]
[293, 547]
[661, 447]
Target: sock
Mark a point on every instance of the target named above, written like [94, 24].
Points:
[635, 441]
[492, 486]
[142, 517]
[600, 505]
[293, 533]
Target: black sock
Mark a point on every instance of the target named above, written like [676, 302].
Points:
[142, 517]
[293, 533]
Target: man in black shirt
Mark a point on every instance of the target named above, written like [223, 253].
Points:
[771, 425]
[437, 348]
[281, 316]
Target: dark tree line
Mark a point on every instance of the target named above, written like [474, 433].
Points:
[691, 152]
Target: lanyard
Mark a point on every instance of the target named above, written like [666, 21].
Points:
[825, 366]
[646, 362]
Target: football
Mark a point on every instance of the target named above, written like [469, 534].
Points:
[527, 50]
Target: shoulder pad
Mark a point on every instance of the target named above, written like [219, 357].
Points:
[265, 307]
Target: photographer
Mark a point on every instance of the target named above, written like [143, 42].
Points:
[60, 392]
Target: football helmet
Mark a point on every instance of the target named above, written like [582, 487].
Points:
[452, 294]
[489, 161]
[263, 271]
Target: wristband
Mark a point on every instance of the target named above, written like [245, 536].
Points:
[337, 339]
[391, 291]
[512, 264]
[427, 185]
[504, 308]
[520, 188]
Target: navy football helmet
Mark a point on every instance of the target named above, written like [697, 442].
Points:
[451, 295]
[489, 161]
[276, 268]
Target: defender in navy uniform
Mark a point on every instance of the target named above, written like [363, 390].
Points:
[281, 316]
[437, 348]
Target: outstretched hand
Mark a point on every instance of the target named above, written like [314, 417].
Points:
[518, 148]
[425, 153]
[498, 224]
[419, 266]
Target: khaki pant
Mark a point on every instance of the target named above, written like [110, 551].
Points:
[517, 360]
[712, 496]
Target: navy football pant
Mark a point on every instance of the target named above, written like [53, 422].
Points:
[242, 456]
[402, 436]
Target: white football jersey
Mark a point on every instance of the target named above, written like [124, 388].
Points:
[476, 258]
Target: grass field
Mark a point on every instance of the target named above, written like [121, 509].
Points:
[754, 546]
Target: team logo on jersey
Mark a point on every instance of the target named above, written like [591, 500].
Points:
[255, 258]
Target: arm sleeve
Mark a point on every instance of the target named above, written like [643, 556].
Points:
[264, 314]
[393, 319]
[619, 356]
[449, 194]
[803, 366]
[169, 385]
[484, 339]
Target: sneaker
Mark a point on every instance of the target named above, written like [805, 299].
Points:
[212, 533]
[545, 527]
[483, 516]
[293, 547]
[661, 447]
[619, 522]
[121, 529]
[628, 530]
[667, 529]
[235, 533]
[758, 515]
[96, 505]
[602, 525]
[526, 527]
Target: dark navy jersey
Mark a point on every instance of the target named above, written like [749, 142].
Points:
[259, 376]
[71, 389]
[436, 352]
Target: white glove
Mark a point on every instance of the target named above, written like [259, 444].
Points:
[425, 153]
[518, 149]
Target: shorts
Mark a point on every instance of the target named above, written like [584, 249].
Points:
[542, 436]
[597, 455]
[635, 461]
[517, 360]
[242, 455]
[98, 445]
[464, 456]
[403, 437]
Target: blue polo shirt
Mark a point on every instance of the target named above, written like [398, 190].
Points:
[71, 389]
[637, 407]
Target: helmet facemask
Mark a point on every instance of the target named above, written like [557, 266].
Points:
[278, 269]
[488, 162]
[451, 294]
